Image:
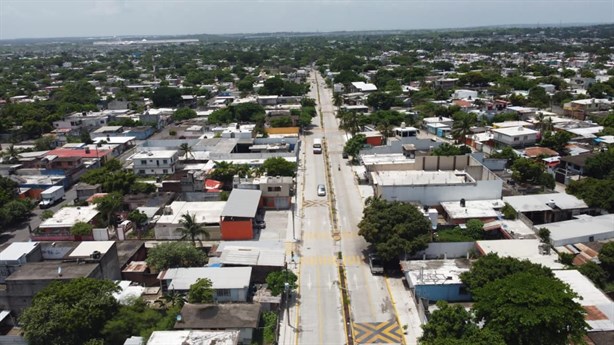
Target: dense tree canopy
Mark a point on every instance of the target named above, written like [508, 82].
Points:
[277, 280]
[166, 97]
[183, 114]
[393, 228]
[175, 254]
[201, 291]
[353, 146]
[446, 149]
[601, 165]
[279, 166]
[70, 313]
[594, 192]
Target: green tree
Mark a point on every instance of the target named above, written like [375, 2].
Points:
[44, 143]
[544, 235]
[606, 256]
[46, 214]
[556, 141]
[538, 97]
[525, 170]
[108, 205]
[462, 125]
[284, 121]
[491, 267]
[186, 149]
[270, 325]
[72, 312]
[276, 281]
[509, 212]
[506, 153]
[601, 165]
[201, 291]
[594, 192]
[166, 97]
[279, 166]
[452, 324]
[133, 319]
[528, 308]
[380, 101]
[192, 229]
[349, 121]
[81, 229]
[446, 149]
[175, 254]
[182, 114]
[353, 146]
[595, 273]
[138, 218]
[393, 228]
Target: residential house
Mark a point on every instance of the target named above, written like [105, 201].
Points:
[465, 94]
[206, 213]
[16, 255]
[571, 167]
[579, 109]
[547, 208]
[237, 218]
[158, 162]
[437, 280]
[360, 86]
[57, 228]
[276, 191]
[229, 284]
[584, 228]
[515, 136]
[242, 317]
[85, 190]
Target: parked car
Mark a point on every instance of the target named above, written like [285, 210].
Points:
[345, 155]
[375, 264]
[260, 224]
[321, 190]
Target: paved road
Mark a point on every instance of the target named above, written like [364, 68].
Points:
[21, 233]
[368, 293]
[321, 320]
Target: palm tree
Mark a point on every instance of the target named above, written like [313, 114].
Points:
[191, 229]
[349, 121]
[187, 150]
[462, 126]
[540, 121]
[386, 129]
[108, 205]
[171, 298]
[13, 154]
[337, 99]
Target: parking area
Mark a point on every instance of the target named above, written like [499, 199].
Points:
[276, 226]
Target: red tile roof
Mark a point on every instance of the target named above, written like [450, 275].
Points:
[78, 153]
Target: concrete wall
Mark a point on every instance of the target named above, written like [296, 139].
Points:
[236, 295]
[169, 232]
[447, 292]
[435, 194]
[448, 250]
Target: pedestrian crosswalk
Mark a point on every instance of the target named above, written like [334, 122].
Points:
[325, 260]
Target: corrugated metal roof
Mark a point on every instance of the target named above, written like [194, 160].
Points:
[242, 203]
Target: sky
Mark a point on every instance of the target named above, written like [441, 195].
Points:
[93, 18]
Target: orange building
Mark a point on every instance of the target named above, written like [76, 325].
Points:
[237, 218]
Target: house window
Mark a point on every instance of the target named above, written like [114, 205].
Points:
[165, 161]
[141, 171]
[143, 162]
[591, 238]
[463, 290]
[516, 139]
[165, 171]
[526, 137]
[274, 189]
[222, 292]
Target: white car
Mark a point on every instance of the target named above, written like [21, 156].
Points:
[321, 190]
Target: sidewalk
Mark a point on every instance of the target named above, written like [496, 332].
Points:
[406, 310]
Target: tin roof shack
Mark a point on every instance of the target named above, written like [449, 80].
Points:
[599, 308]
[437, 280]
[242, 317]
[194, 338]
[207, 213]
[85, 190]
[547, 208]
[237, 218]
[16, 255]
[57, 228]
[32, 277]
[459, 212]
[231, 284]
[584, 228]
[430, 180]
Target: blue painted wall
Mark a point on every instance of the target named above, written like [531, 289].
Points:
[447, 292]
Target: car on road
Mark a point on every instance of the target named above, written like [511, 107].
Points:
[260, 224]
[345, 155]
[375, 264]
[321, 190]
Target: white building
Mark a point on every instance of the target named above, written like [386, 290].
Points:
[431, 180]
[207, 213]
[525, 249]
[465, 94]
[194, 338]
[515, 136]
[159, 162]
[360, 86]
[230, 284]
[584, 228]
[88, 120]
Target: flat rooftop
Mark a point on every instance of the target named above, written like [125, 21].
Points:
[48, 270]
[68, 216]
[194, 338]
[219, 316]
[583, 225]
[237, 255]
[599, 308]
[421, 178]
[389, 158]
[435, 272]
[472, 209]
[16, 250]
[520, 249]
[221, 277]
[514, 131]
[205, 211]
[539, 202]
[154, 154]
[86, 248]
